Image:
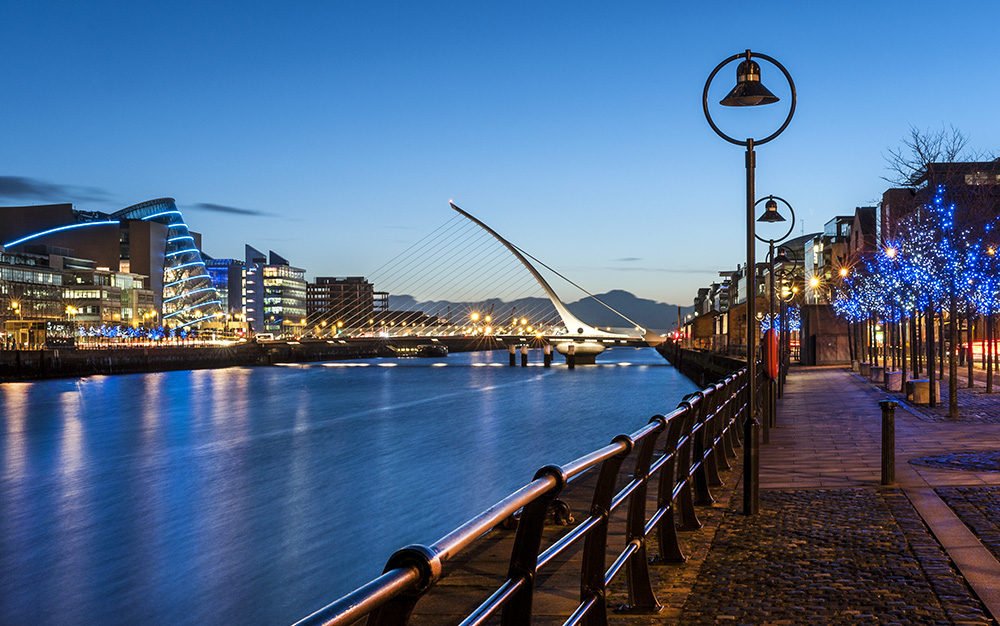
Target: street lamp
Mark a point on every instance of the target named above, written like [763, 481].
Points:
[772, 216]
[785, 297]
[749, 91]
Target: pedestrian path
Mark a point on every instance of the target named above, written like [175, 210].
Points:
[833, 546]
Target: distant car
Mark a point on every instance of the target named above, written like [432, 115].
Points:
[264, 337]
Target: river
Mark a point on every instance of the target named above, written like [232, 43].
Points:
[258, 495]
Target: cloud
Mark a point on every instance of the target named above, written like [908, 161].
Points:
[628, 259]
[231, 210]
[24, 188]
[664, 270]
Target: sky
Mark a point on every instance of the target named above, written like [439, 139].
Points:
[335, 133]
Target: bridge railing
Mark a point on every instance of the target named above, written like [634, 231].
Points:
[683, 451]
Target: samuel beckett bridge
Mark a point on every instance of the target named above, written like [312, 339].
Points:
[468, 288]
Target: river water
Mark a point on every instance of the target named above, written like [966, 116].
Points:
[258, 495]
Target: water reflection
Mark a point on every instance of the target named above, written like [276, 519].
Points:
[256, 495]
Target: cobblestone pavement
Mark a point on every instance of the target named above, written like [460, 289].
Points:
[979, 509]
[843, 556]
[973, 461]
[974, 404]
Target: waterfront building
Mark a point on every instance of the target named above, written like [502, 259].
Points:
[97, 295]
[229, 279]
[823, 254]
[30, 296]
[343, 302]
[275, 294]
[149, 240]
[973, 187]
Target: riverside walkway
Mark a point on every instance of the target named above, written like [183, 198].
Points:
[832, 546]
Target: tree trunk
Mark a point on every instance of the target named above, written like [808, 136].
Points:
[953, 356]
[970, 335]
[942, 348]
[902, 353]
[929, 325]
[987, 347]
[918, 352]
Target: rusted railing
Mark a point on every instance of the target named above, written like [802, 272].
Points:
[684, 451]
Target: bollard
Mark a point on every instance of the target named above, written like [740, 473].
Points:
[547, 355]
[513, 350]
[888, 442]
[571, 356]
[524, 356]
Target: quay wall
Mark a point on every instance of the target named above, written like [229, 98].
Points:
[73, 362]
[700, 366]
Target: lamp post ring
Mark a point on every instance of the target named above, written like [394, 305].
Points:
[746, 143]
[791, 226]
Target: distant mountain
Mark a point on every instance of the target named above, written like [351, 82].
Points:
[649, 314]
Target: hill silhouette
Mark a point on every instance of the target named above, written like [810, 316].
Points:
[652, 315]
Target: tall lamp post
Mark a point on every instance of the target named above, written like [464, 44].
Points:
[784, 347]
[772, 216]
[749, 91]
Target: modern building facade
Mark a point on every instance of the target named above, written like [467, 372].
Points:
[148, 241]
[342, 302]
[29, 288]
[229, 280]
[275, 294]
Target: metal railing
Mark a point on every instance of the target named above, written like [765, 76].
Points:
[684, 450]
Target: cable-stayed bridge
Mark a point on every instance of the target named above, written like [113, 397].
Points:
[464, 280]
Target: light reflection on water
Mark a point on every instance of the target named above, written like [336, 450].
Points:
[257, 495]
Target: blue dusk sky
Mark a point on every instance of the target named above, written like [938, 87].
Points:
[335, 133]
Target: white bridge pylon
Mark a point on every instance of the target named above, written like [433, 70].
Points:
[586, 341]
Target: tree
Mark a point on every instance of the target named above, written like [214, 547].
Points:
[960, 207]
[908, 164]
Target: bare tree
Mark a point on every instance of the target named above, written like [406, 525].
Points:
[908, 163]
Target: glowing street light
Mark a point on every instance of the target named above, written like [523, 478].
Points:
[749, 91]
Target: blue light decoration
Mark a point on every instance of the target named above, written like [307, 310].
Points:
[931, 259]
[794, 320]
[188, 294]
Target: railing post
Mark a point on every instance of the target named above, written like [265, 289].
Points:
[701, 438]
[396, 611]
[524, 553]
[711, 422]
[595, 546]
[640, 588]
[666, 530]
[888, 442]
[728, 423]
[689, 519]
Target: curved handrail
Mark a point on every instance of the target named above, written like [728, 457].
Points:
[699, 434]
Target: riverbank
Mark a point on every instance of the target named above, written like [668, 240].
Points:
[700, 366]
[19, 365]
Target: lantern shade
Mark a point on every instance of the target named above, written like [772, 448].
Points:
[771, 212]
[749, 91]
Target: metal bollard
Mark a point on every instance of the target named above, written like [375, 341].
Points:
[571, 356]
[524, 356]
[888, 442]
[512, 349]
